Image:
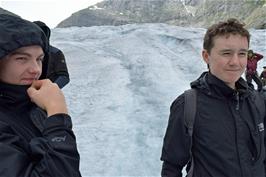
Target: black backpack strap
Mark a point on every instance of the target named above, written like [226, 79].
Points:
[190, 109]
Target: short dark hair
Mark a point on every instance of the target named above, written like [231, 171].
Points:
[231, 26]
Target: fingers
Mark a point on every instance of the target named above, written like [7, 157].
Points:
[37, 84]
[48, 96]
[31, 91]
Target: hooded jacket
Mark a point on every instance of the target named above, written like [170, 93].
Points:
[228, 136]
[31, 145]
[57, 67]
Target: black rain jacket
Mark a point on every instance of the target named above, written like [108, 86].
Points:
[228, 137]
[57, 70]
[31, 144]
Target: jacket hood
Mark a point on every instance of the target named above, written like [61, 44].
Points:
[16, 32]
[211, 85]
[44, 28]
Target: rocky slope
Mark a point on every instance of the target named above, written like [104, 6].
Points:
[196, 13]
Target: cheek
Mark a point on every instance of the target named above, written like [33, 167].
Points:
[6, 71]
[217, 62]
[40, 69]
[243, 63]
[9, 76]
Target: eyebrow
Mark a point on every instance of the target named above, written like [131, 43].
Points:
[244, 50]
[229, 50]
[23, 53]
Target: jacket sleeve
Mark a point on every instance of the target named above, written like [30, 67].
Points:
[258, 56]
[61, 81]
[53, 154]
[176, 145]
[58, 66]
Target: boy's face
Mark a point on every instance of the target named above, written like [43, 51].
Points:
[228, 58]
[22, 66]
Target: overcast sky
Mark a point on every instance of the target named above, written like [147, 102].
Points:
[51, 12]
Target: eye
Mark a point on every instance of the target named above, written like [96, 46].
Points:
[243, 54]
[226, 53]
[21, 58]
[40, 59]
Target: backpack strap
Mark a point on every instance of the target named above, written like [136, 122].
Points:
[190, 108]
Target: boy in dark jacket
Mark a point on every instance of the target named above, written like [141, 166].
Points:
[228, 134]
[36, 137]
[57, 67]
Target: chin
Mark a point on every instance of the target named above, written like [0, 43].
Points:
[233, 77]
[232, 80]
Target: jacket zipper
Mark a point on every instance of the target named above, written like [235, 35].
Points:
[237, 109]
[237, 101]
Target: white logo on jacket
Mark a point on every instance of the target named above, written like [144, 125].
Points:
[59, 138]
[261, 127]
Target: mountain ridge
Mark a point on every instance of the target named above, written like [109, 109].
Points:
[188, 13]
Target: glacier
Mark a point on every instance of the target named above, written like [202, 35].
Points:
[123, 80]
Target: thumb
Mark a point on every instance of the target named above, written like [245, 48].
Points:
[33, 89]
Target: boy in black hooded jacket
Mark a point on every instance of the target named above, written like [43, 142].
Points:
[228, 134]
[36, 137]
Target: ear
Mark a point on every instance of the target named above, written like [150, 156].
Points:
[205, 56]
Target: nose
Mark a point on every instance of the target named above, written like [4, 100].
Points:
[235, 59]
[35, 68]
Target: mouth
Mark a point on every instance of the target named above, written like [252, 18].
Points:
[233, 70]
[28, 80]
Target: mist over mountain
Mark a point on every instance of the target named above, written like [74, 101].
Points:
[189, 13]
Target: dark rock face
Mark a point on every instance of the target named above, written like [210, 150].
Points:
[195, 13]
[188, 13]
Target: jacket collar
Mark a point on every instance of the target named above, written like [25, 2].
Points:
[214, 86]
[14, 95]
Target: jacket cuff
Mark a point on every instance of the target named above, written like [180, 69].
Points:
[58, 120]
